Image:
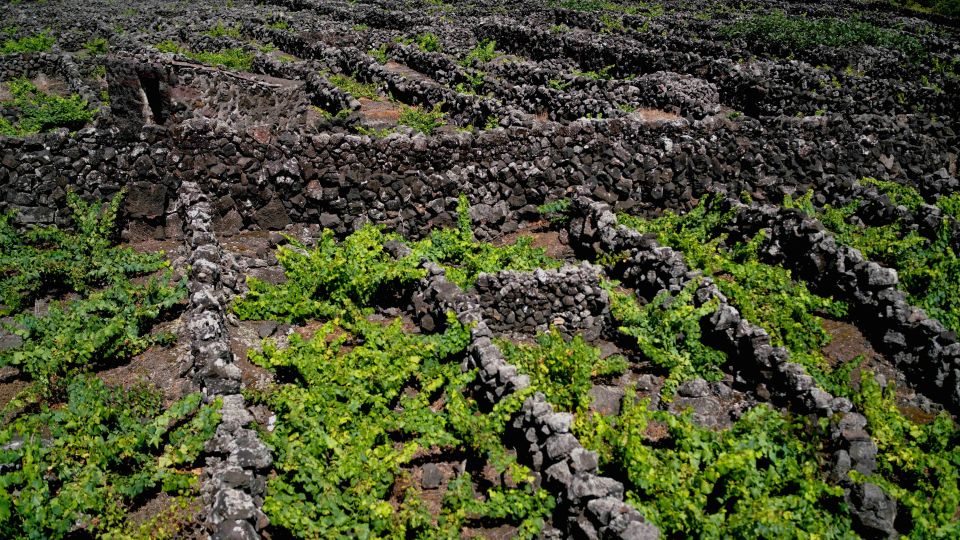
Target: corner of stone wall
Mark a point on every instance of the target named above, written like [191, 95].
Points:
[589, 505]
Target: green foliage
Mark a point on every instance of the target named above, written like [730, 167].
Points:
[611, 24]
[465, 258]
[493, 122]
[898, 194]
[474, 84]
[602, 74]
[235, 58]
[41, 42]
[561, 369]
[41, 259]
[943, 7]
[169, 46]
[353, 87]
[279, 24]
[793, 32]
[380, 53]
[917, 464]
[342, 114]
[422, 120]
[428, 42]
[759, 479]
[557, 212]
[765, 295]
[75, 454]
[365, 399]
[668, 333]
[224, 31]
[485, 51]
[109, 447]
[39, 111]
[106, 326]
[558, 84]
[96, 46]
[377, 133]
[321, 282]
[929, 269]
[950, 205]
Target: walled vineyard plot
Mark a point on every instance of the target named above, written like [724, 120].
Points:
[558, 269]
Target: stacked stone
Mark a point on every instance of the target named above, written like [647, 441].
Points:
[589, 506]
[919, 345]
[30, 65]
[569, 299]
[321, 92]
[244, 101]
[234, 475]
[875, 208]
[594, 230]
[758, 88]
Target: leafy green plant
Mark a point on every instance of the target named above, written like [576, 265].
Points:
[377, 133]
[340, 115]
[43, 259]
[765, 295]
[235, 58]
[39, 111]
[556, 212]
[950, 205]
[279, 24]
[464, 258]
[97, 46]
[322, 281]
[759, 479]
[667, 331]
[41, 42]
[474, 83]
[107, 326]
[602, 74]
[428, 42]
[422, 120]
[561, 369]
[898, 194]
[380, 53]
[169, 46]
[484, 51]
[610, 24]
[943, 7]
[79, 465]
[928, 268]
[917, 464]
[794, 32]
[362, 402]
[354, 87]
[224, 31]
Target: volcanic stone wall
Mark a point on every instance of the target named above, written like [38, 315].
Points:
[918, 344]
[588, 505]
[410, 183]
[650, 269]
[569, 298]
